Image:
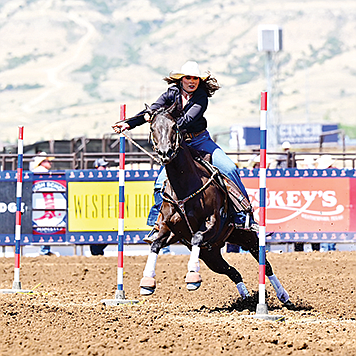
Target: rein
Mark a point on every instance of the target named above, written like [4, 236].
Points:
[180, 203]
[141, 148]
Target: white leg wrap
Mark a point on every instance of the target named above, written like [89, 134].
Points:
[193, 264]
[282, 295]
[150, 265]
[242, 290]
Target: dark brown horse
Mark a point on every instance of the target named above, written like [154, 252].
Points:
[195, 211]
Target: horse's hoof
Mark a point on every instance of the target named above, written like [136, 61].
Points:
[147, 285]
[193, 286]
[147, 290]
[193, 280]
[289, 305]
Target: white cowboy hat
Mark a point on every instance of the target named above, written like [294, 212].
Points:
[40, 158]
[308, 162]
[190, 68]
[325, 161]
[286, 145]
[100, 162]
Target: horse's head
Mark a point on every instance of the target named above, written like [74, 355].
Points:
[165, 134]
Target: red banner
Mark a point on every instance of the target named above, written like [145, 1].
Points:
[306, 204]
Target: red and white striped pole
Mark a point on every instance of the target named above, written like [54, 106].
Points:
[120, 293]
[17, 283]
[16, 286]
[261, 307]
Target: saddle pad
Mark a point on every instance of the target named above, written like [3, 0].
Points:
[240, 202]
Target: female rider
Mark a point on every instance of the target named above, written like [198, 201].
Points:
[192, 91]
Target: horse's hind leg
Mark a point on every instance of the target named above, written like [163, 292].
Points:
[214, 260]
[253, 247]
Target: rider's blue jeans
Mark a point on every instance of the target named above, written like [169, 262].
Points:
[220, 160]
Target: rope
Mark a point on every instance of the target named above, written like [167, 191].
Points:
[141, 148]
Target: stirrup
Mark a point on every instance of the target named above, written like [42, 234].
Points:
[152, 236]
[249, 224]
[253, 227]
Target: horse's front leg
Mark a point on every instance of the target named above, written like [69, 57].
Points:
[148, 282]
[193, 277]
[207, 231]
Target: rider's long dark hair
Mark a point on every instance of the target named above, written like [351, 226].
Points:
[210, 85]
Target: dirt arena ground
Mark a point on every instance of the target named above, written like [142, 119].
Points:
[65, 316]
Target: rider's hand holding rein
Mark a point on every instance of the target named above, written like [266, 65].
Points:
[120, 126]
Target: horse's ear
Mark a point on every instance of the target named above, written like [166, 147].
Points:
[148, 109]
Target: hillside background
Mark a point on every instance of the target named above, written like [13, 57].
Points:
[66, 66]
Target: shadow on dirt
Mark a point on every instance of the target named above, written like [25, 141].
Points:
[250, 304]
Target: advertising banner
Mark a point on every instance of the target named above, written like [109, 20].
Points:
[309, 204]
[49, 208]
[297, 134]
[93, 205]
[81, 207]
[8, 208]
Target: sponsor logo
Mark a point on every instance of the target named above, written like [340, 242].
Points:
[11, 207]
[291, 204]
[49, 204]
[303, 204]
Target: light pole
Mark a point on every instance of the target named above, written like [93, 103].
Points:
[270, 41]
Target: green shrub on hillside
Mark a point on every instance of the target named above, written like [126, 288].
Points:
[350, 131]
[15, 62]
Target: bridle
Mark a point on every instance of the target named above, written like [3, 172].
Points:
[176, 144]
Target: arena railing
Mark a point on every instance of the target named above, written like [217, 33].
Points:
[139, 160]
[343, 160]
[81, 160]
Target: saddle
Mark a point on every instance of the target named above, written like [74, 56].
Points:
[236, 198]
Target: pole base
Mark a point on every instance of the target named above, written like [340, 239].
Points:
[119, 299]
[16, 285]
[262, 313]
[269, 317]
[23, 291]
[262, 309]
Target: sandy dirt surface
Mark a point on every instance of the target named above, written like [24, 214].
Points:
[65, 316]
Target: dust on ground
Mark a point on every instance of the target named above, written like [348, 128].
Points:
[65, 315]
